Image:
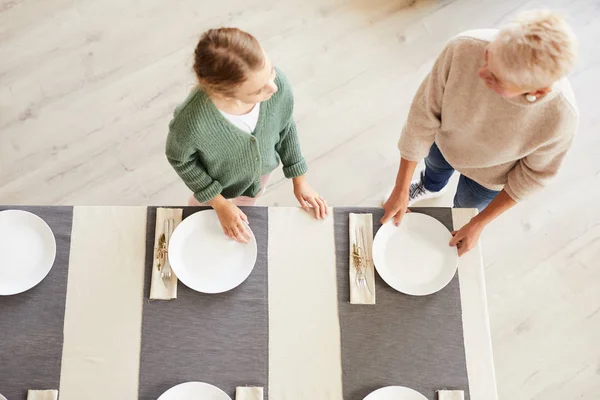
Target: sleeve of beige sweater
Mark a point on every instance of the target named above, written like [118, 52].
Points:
[423, 120]
[533, 172]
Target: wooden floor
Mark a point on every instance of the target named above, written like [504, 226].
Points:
[87, 89]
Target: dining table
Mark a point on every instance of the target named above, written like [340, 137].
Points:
[90, 330]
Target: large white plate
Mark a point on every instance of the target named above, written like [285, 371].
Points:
[395, 393]
[415, 257]
[194, 391]
[27, 251]
[206, 260]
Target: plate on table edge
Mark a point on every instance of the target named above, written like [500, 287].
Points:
[418, 220]
[49, 241]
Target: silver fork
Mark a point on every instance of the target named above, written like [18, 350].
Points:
[361, 278]
[361, 275]
[165, 272]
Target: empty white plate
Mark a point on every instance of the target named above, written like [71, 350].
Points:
[27, 251]
[415, 257]
[206, 260]
[2, 397]
[194, 391]
[395, 393]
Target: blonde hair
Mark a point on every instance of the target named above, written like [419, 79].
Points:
[223, 58]
[535, 51]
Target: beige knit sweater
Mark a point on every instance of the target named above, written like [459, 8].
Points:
[498, 143]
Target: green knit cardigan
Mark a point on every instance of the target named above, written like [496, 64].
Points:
[212, 156]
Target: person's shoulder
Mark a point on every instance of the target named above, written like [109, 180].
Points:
[281, 78]
[464, 52]
[283, 99]
[562, 107]
[476, 39]
[284, 88]
[190, 112]
[476, 35]
[189, 108]
[567, 97]
[561, 112]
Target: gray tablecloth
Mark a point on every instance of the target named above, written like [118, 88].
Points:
[402, 340]
[221, 339]
[31, 323]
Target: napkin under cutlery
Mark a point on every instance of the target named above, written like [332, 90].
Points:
[249, 393]
[362, 271]
[451, 395]
[42, 394]
[163, 289]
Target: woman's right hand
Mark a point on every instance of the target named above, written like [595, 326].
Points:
[232, 219]
[396, 206]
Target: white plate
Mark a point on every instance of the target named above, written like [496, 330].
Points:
[206, 260]
[194, 391]
[415, 257]
[395, 393]
[2, 397]
[27, 251]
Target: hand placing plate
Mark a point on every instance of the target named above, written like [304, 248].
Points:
[415, 258]
[194, 391]
[395, 393]
[206, 260]
[27, 251]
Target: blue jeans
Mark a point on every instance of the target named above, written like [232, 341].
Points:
[469, 194]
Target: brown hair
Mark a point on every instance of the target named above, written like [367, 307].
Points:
[223, 57]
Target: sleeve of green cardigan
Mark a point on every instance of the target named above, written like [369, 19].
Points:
[288, 148]
[184, 159]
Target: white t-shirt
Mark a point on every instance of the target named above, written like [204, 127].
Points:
[246, 122]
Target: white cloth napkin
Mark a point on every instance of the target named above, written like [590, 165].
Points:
[158, 289]
[451, 395]
[42, 394]
[362, 294]
[249, 393]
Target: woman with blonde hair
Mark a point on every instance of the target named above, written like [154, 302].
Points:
[497, 108]
[235, 128]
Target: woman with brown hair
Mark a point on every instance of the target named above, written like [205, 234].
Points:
[233, 130]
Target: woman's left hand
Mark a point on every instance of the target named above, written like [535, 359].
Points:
[467, 237]
[308, 197]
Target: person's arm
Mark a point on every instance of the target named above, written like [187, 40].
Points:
[397, 204]
[424, 117]
[308, 197]
[295, 167]
[232, 219]
[185, 161]
[533, 172]
[530, 174]
[467, 237]
[422, 124]
[294, 164]
[288, 148]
